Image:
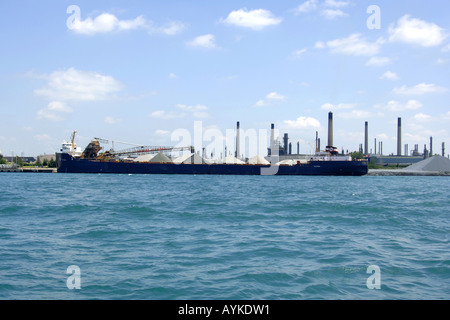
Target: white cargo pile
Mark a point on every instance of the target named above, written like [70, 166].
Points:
[191, 158]
[258, 160]
[144, 158]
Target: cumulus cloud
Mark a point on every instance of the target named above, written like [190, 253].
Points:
[396, 106]
[353, 45]
[419, 89]
[418, 32]
[253, 19]
[333, 13]
[270, 98]
[389, 75]
[307, 6]
[107, 22]
[303, 123]
[53, 111]
[330, 9]
[73, 84]
[205, 41]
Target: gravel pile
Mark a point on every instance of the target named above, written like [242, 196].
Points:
[435, 164]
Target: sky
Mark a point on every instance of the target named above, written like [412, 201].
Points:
[149, 72]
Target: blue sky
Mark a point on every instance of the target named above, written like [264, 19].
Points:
[137, 71]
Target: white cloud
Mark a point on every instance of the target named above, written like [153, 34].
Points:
[298, 53]
[378, 61]
[111, 120]
[419, 89]
[170, 29]
[330, 9]
[396, 106]
[73, 84]
[336, 4]
[254, 19]
[173, 75]
[422, 117]
[162, 132]
[53, 111]
[389, 75]
[271, 97]
[340, 106]
[446, 48]
[107, 22]
[275, 96]
[307, 6]
[58, 107]
[320, 45]
[333, 13]
[303, 123]
[353, 45]
[415, 31]
[206, 41]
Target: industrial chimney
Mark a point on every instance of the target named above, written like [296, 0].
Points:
[238, 141]
[366, 139]
[399, 137]
[272, 140]
[330, 130]
[431, 146]
[286, 143]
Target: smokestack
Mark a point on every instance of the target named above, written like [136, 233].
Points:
[317, 141]
[375, 146]
[286, 143]
[366, 141]
[330, 129]
[290, 148]
[431, 146]
[399, 137]
[238, 141]
[272, 139]
[443, 149]
[298, 147]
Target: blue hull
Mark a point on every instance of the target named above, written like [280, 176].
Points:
[69, 164]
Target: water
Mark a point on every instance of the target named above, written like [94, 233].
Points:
[222, 237]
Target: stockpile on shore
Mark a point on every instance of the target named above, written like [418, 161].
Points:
[434, 166]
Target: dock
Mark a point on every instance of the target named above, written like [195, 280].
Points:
[29, 170]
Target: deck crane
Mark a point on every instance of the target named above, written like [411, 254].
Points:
[134, 151]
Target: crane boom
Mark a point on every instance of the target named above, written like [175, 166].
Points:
[141, 150]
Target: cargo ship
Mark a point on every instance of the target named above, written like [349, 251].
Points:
[142, 160]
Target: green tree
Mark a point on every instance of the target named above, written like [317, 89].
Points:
[357, 155]
[38, 162]
[2, 160]
[52, 163]
[19, 161]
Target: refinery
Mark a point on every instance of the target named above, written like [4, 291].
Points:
[280, 157]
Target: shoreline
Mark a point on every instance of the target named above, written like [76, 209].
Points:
[406, 173]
